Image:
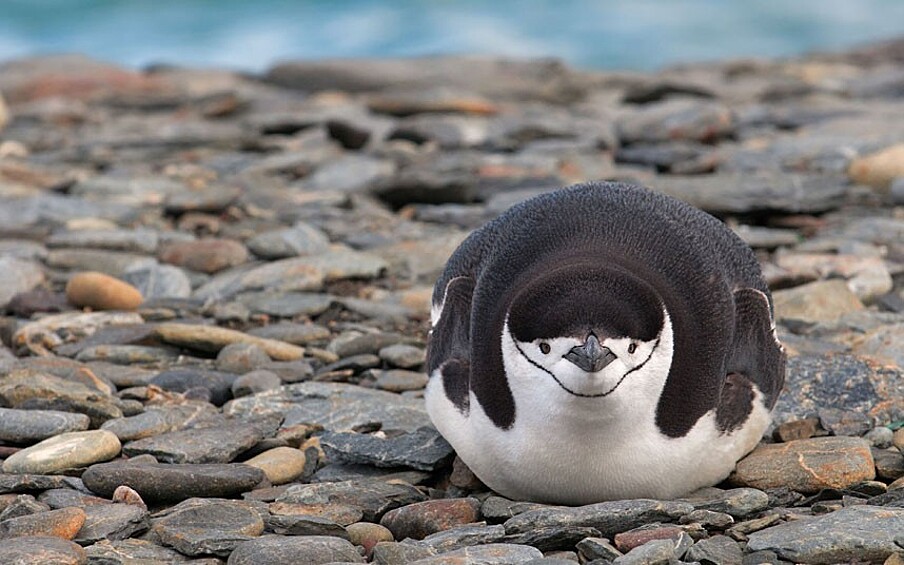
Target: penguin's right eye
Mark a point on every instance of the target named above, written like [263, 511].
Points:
[544, 348]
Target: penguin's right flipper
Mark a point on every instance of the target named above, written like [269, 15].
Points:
[449, 349]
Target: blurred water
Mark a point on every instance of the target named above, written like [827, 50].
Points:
[251, 34]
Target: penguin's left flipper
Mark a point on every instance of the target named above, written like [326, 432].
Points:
[756, 357]
[449, 349]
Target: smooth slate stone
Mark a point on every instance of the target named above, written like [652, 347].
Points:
[287, 304]
[207, 445]
[28, 426]
[60, 453]
[717, 549]
[337, 472]
[63, 497]
[172, 482]
[424, 449]
[306, 526]
[28, 550]
[463, 536]
[299, 334]
[553, 537]
[301, 239]
[373, 497]
[738, 502]
[335, 406]
[862, 533]
[112, 522]
[208, 527]
[490, 554]
[130, 551]
[16, 482]
[180, 380]
[280, 550]
[159, 281]
[156, 420]
[656, 552]
[609, 518]
[241, 358]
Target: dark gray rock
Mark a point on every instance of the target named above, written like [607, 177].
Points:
[717, 550]
[30, 426]
[301, 239]
[337, 472]
[112, 522]
[390, 552]
[197, 527]
[159, 281]
[552, 538]
[241, 358]
[180, 380]
[287, 304]
[335, 406]
[424, 449]
[607, 517]
[220, 444]
[172, 482]
[738, 502]
[16, 483]
[403, 355]
[373, 497]
[299, 334]
[691, 120]
[421, 519]
[127, 354]
[305, 526]
[17, 276]
[656, 552]
[157, 420]
[865, 533]
[463, 536]
[137, 241]
[355, 364]
[399, 380]
[497, 508]
[354, 343]
[254, 382]
[130, 551]
[349, 174]
[489, 554]
[304, 550]
[42, 549]
[592, 548]
[843, 422]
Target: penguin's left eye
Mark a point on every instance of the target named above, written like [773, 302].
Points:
[544, 348]
[632, 348]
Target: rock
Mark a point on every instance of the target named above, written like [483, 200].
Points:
[131, 550]
[204, 255]
[4, 113]
[181, 380]
[280, 550]
[368, 535]
[280, 464]
[337, 513]
[298, 334]
[421, 519]
[403, 356]
[212, 199]
[399, 380]
[137, 241]
[335, 406]
[173, 482]
[158, 281]
[626, 541]
[43, 335]
[27, 426]
[350, 173]
[822, 301]
[17, 276]
[63, 523]
[295, 274]
[305, 526]
[880, 436]
[287, 304]
[112, 522]
[241, 358]
[889, 463]
[865, 533]
[254, 382]
[797, 429]
[489, 554]
[883, 344]
[28, 483]
[739, 502]
[156, 420]
[898, 439]
[102, 292]
[671, 120]
[301, 239]
[64, 452]
[213, 339]
[127, 354]
[717, 549]
[373, 497]
[807, 465]
[111, 263]
[424, 449]
[878, 169]
[607, 517]
[597, 548]
[552, 538]
[656, 552]
[220, 444]
[203, 527]
[42, 549]
[387, 552]
[843, 422]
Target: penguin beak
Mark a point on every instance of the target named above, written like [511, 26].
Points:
[591, 357]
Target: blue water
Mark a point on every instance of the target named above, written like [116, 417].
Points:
[610, 34]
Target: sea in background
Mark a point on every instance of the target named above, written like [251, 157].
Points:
[605, 34]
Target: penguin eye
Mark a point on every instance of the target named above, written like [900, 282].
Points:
[544, 348]
[632, 348]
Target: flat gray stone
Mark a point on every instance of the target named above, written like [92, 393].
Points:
[220, 444]
[17, 276]
[463, 536]
[129, 551]
[373, 497]
[739, 502]
[201, 527]
[159, 281]
[424, 449]
[335, 406]
[67, 451]
[27, 426]
[609, 518]
[301, 239]
[171, 482]
[288, 550]
[721, 550]
[112, 522]
[27, 550]
[489, 554]
[863, 533]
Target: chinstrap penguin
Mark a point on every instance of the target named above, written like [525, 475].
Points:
[602, 342]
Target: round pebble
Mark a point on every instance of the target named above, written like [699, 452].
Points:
[102, 292]
[66, 451]
[280, 464]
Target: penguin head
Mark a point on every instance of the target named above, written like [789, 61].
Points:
[583, 329]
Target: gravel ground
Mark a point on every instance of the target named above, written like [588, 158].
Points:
[215, 290]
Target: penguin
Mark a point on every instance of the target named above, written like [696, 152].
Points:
[601, 342]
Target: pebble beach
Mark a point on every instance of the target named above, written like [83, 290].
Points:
[215, 293]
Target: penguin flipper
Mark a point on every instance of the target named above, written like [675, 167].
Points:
[449, 349]
[756, 358]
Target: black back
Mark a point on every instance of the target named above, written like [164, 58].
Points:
[689, 260]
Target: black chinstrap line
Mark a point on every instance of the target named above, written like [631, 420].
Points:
[568, 390]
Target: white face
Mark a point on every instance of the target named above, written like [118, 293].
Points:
[542, 363]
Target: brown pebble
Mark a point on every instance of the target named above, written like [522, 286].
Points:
[797, 429]
[368, 535]
[63, 523]
[205, 255]
[626, 541]
[421, 519]
[128, 495]
[102, 292]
